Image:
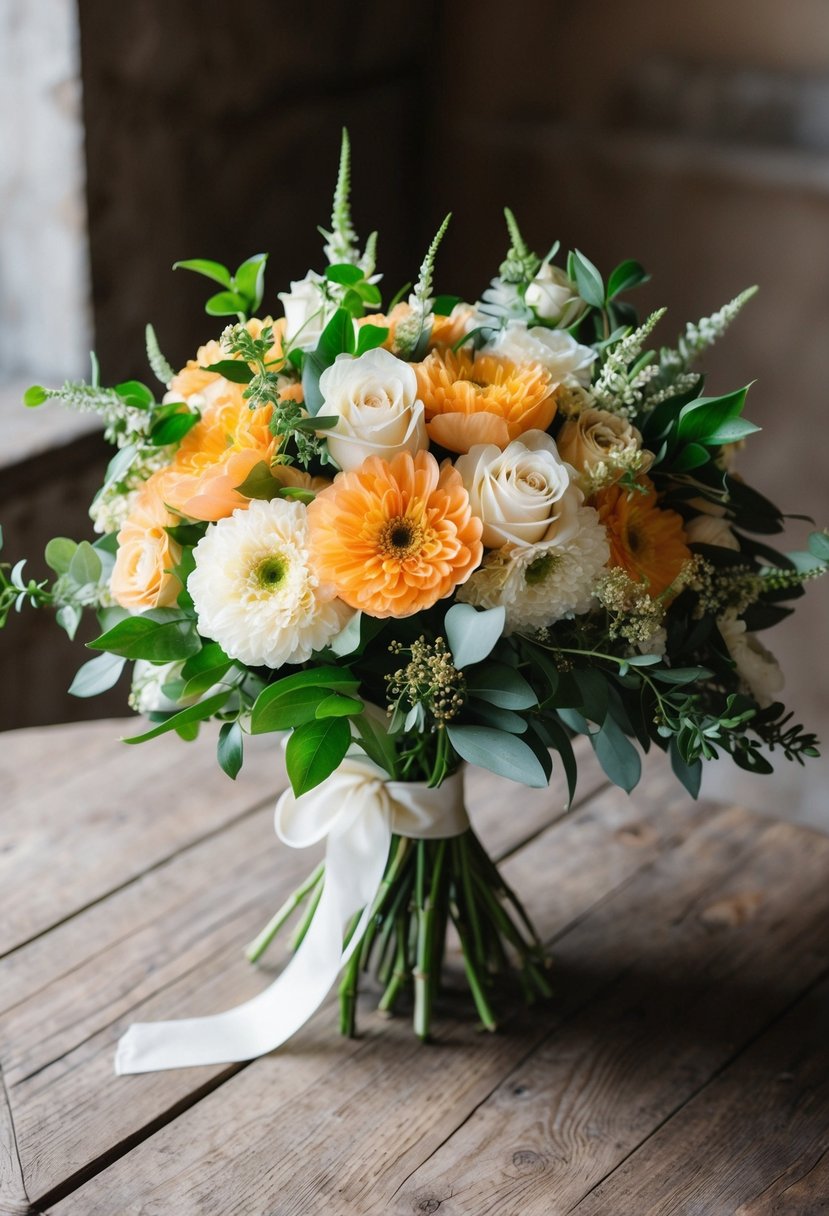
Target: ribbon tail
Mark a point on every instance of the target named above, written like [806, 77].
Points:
[354, 865]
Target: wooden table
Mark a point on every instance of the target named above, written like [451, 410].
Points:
[683, 1066]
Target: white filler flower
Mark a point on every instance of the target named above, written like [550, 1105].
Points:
[254, 591]
[757, 667]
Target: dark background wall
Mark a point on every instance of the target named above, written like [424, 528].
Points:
[695, 139]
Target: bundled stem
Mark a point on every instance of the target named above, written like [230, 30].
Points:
[427, 885]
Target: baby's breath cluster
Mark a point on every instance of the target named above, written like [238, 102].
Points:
[735, 587]
[429, 679]
[632, 613]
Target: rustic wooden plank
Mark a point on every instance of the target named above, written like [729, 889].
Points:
[718, 954]
[13, 1198]
[153, 949]
[106, 812]
[379, 1085]
[754, 1141]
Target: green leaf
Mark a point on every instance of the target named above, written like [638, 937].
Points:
[161, 635]
[69, 618]
[471, 634]
[588, 280]
[96, 676]
[337, 338]
[617, 755]
[319, 423]
[499, 752]
[136, 394]
[370, 337]
[225, 304]
[335, 705]
[229, 749]
[59, 553]
[349, 637]
[681, 675]
[202, 681]
[345, 273]
[561, 742]
[314, 751]
[35, 395]
[235, 370]
[185, 717]
[705, 415]
[691, 457]
[297, 493]
[443, 305]
[500, 685]
[260, 483]
[187, 534]
[249, 280]
[294, 699]
[627, 275]
[174, 428]
[211, 270]
[731, 432]
[818, 545]
[85, 566]
[592, 686]
[376, 742]
[689, 774]
[499, 719]
[119, 466]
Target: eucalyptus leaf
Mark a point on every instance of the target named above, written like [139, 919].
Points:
[471, 633]
[617, 755]
[59, 553]
[97, 676]
[500, 685]
[85, 566]
[498, 752]
[588, 280]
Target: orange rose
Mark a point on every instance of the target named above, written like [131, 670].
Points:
[142, 577]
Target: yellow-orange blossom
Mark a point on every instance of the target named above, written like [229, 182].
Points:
[394, 537]
[645, 540]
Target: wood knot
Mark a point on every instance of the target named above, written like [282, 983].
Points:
[637, 834]
[734, 910]
[528, 1161]
[428, 1204]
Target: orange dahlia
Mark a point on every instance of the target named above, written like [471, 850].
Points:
[645, 540]
[479, 398]
[394, 537]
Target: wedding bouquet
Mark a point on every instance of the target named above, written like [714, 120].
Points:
[412, 537]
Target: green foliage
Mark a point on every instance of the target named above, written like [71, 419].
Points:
[230, 749]
[160, 635]
[97, 676]
[500, 685]
[243, 290]
[499, 752]
[185, 717]
[587, 279]
[314, 750]
[160, 367]
[294, 699]
[472, 633]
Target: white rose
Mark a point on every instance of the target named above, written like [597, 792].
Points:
[711, 530]
[307, 310]
[523, 494]
[558, 353]
[554, 296]
[757, 667]
[374, 397]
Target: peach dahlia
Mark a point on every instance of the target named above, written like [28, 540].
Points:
[394, 537]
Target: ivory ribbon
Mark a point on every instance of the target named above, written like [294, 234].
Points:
[356, 810]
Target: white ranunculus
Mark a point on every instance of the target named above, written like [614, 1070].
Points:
[554, 297]
[558, 353]
[757, 667]
[308, 309]
[374, 397]
[711, 530]
[522, 494]
[255, 592]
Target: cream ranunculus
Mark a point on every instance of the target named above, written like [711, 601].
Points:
[522, 494]
[558, 353]
[308, 309]
[711, 530]
[757, 668]
[598, 438]
[554, 297]
[374, 397]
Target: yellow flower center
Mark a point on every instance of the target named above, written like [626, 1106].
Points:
[270, 572]
[401, 537]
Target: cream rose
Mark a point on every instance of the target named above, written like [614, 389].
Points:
[757, 667]
[523, 494]
[142, 577]
[711, 530]
[558, 353]
[307, 311]
[554, 297]
[598, 437]
[374, 397]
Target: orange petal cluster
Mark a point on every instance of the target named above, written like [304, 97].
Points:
[147, 555]
[645, 540]
[394, 537]
[479, 398]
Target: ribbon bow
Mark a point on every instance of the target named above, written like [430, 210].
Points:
[356, 811]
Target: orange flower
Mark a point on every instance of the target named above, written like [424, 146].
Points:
[194, 379]
[142, 577]
[394, 537]
[480, 398]
[645, 540]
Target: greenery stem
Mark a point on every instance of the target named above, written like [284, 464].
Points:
[259, 945]
[304, 924]
[424, 975]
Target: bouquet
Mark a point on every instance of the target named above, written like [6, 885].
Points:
[413, 537]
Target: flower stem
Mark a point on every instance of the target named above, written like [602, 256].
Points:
[304, 925]
[424, 974]
[400, 973]
[259, 945]
[473, 979]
